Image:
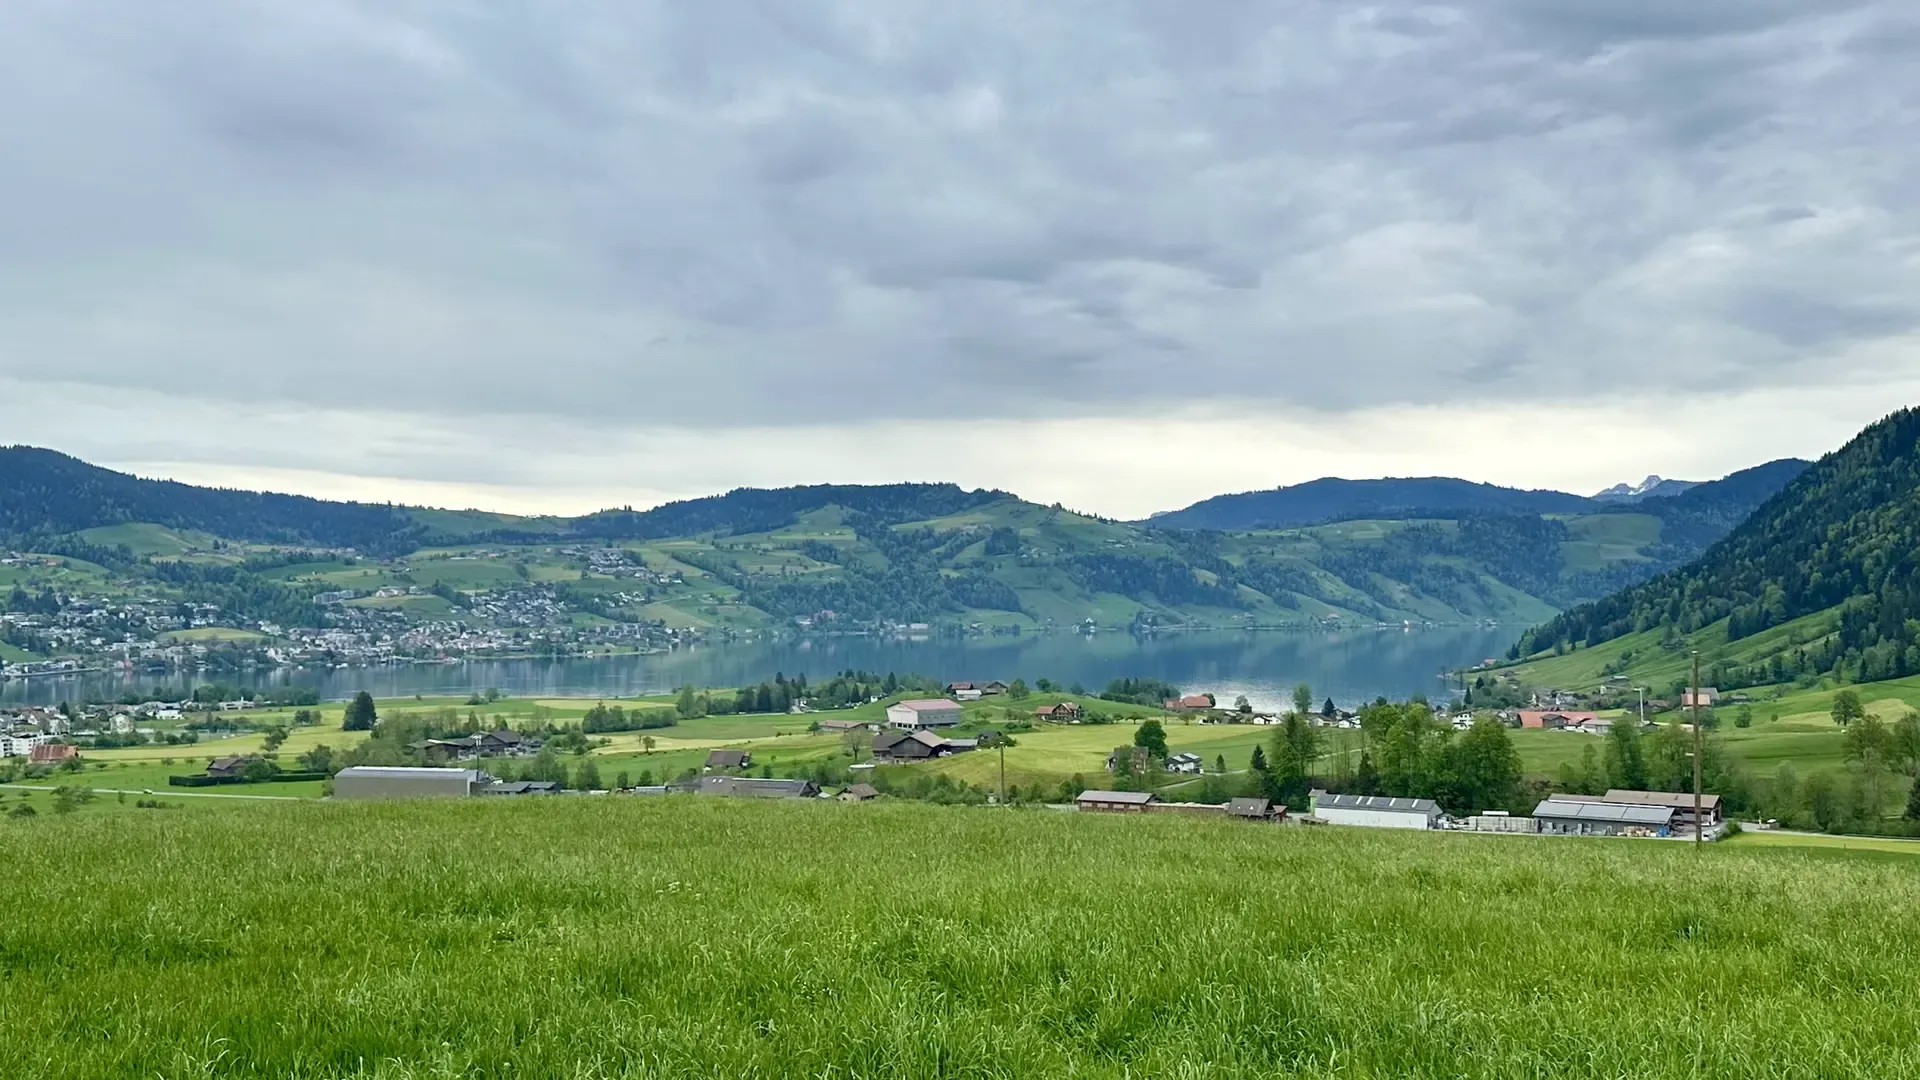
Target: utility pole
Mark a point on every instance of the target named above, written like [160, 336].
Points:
[1003, 770]
[1643, 707]
[1699, 829]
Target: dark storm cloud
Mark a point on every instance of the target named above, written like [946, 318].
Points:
[755, 212]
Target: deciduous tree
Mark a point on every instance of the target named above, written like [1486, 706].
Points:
[360, 713]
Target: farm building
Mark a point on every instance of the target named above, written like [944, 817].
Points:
[1709, 697]
[747, 787]
[1680, 802]
[227, 766]
[1185, 764]
[521, 787]
[396, 782]
[924, 713]
[1134, 758]
[53, 753]
[1495, 821]
[859, 793]
[1561, 816]
[1553, 719]
[1116, 802]
[728, 759]
[1190, 703]
[1376, 811]
[841, 727]
[1254, 810]
[1065, 712]
[917, 746]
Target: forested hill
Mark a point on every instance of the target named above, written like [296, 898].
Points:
[46, 494]
[1842, 538]
[1333, 499]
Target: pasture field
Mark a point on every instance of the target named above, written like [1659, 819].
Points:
[689, 937]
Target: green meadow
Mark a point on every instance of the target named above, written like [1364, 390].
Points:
[688, 937]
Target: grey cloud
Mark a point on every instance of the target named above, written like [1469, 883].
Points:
[753, 212]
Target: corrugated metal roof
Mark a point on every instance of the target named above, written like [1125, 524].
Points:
[406, 771]
[930, 705]
[1618, 813]
[1116, 796]
[1324, 801]
[1677, 800]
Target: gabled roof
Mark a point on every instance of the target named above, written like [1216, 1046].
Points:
[1248, 807]
[1324, 801]
[1677, 800]
[727, 759]
[929, 705]
[1138, 798]
[862, 791]
[1618, 813]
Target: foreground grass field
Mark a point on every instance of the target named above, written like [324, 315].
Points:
[685, 937]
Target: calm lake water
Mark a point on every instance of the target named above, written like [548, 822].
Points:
[1265, 666]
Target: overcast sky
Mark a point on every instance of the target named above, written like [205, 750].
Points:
[553, 255]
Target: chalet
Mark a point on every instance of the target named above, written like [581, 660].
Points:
[1553, 719]
[917, 746]
[1254, 810]
[1115, 802]
[1066, 712]
[1709, 697]
[444, 750]
[227, 766]
[723, 760]
[1135, 758]
[924, 713]
[504, 743]
[859, 793]
[1185, 764]
[1190, 703]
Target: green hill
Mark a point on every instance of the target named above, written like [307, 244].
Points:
[1824, 578]
[846, 553]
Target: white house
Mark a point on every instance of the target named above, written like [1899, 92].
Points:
[19, 745]
[1376, 811]
[924, 713]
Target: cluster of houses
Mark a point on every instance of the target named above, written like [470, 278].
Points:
[364, 782]
[502, 743]
[1617, 813]
[1146, 802]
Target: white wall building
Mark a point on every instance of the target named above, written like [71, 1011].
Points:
[19, 745]
[1376, 811]
[924, 713]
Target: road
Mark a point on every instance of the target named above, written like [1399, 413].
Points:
[169, 793]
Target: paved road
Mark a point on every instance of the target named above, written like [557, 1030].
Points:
[169, 793]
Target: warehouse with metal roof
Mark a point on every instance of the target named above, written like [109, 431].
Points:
[1571, 817]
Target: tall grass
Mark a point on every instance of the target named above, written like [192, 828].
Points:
[610, 937]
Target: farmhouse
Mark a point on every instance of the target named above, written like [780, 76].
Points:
[1116, 802]
[728, 759]
[1709, 697]
[1376, 811]
[393, 782]
[53, 753]
[1134, 758]
[1553, 719]
[1184, 764]
[1190, 703]
[1562, 816]
[1254, 810]
[859, 793]
[841, 727]
[748, 787]
[1065, 712]
[924, 713]
[917, 746]
[504, 743]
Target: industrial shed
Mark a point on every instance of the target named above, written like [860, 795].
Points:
[1568, 817]
[1376, 811]
[395, 782]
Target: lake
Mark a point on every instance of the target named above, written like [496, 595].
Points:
[1351, 667]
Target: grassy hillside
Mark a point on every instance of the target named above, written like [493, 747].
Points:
[686, 937]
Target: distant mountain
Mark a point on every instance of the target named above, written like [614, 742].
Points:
[1333, 499]
[1837, 552]
[1652, 487]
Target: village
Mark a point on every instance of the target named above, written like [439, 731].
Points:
[911, 731]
